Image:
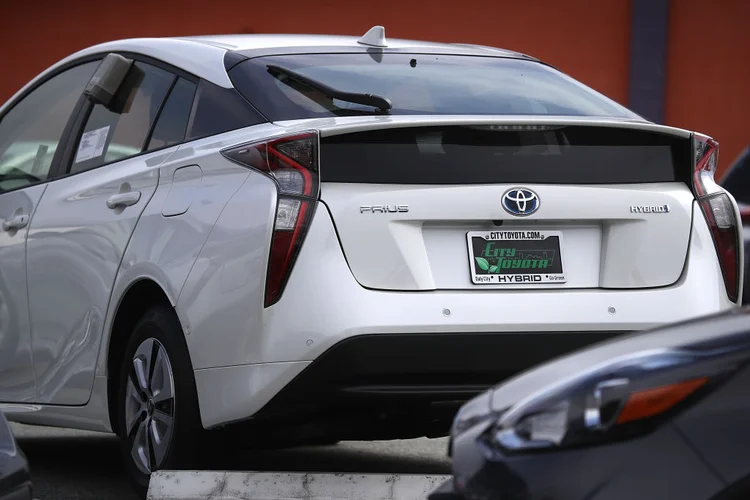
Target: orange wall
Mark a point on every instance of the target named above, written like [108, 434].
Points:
[708, 68]
[708, 72]
[578, 36]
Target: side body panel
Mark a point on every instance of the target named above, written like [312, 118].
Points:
[162, 249]
[225, 290]
[195, 185]
[17, 379]
[93, 416]
[76, 243]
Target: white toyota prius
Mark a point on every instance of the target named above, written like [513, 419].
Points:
[305, 239]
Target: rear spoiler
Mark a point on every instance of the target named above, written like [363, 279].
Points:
[346, 125]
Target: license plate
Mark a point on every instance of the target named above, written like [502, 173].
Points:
[515, 257]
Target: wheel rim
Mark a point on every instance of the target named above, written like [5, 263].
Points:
[149, 406]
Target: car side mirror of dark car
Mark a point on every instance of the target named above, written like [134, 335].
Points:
[112, 82]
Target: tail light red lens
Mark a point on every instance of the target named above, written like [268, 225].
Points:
[719, 212]
[292, 162]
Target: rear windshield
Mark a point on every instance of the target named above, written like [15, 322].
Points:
[495, 155]
[418, 84]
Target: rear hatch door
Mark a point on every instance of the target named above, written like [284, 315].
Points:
[461, 204]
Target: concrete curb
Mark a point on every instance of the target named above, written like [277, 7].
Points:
[205, 485]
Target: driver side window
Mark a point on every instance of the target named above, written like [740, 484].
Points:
[32, 129]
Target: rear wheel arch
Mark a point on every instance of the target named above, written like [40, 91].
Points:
[139, 298]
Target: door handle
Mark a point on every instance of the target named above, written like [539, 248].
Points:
[123, 199]
[14, 223]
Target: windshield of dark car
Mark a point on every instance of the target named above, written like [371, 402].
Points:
[419, 84]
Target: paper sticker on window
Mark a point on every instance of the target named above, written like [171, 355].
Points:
[92, 144]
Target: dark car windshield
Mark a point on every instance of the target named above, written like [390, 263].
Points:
[417, 84]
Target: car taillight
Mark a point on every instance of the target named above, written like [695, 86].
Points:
[292, 162]
[718, 209]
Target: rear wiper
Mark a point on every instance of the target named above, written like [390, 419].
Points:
[382, 103]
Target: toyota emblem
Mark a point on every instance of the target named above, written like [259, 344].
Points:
[520, 201]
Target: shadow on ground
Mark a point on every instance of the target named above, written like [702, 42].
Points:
[73, 465]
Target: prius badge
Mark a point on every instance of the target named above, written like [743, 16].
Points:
[520, 201]
[383, 209]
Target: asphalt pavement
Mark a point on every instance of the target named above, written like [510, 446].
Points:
[78, 465]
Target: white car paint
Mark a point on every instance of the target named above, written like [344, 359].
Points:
[303, 325]
[74, 249]
[603, 247]
[17, 378]
[201, 234]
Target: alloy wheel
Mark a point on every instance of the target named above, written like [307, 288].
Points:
[149, 406]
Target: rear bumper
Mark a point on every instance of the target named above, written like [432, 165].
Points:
[243, 368]
[427, 376]
[382, 386]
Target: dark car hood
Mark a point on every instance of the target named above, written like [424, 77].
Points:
[708, 332]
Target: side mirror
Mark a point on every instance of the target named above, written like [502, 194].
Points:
[103, 88]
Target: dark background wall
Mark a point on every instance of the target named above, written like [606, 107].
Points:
[696, 76]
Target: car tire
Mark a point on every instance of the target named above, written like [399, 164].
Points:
[158, 418]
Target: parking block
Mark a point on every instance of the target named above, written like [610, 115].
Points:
[205, 485]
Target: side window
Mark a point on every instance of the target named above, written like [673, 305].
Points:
[31, 131]
[173, 120]
[220, 110]
[110, 136]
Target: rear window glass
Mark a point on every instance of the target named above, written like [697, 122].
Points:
[220, 110]
[417, 84]
[494, 155]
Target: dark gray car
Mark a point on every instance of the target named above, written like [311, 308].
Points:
[15, 478]
[660, 414]
[737, 182]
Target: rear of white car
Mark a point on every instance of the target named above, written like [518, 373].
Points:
[423, 254]
[322, 238]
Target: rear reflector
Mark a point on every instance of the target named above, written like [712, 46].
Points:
[285, 245]
[719, 212]
[292, 162]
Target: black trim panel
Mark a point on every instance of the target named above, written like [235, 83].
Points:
[233, 58]
[150, 133]
[370, 373]
[155, 62]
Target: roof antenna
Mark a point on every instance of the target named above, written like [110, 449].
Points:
[374, 38]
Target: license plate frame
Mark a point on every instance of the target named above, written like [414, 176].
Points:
[524, 257]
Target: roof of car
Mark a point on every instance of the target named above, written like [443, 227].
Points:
[204, 56]
[261, 42]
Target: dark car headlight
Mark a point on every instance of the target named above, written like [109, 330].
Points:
[622, 398]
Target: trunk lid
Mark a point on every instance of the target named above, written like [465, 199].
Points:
[512, 203]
